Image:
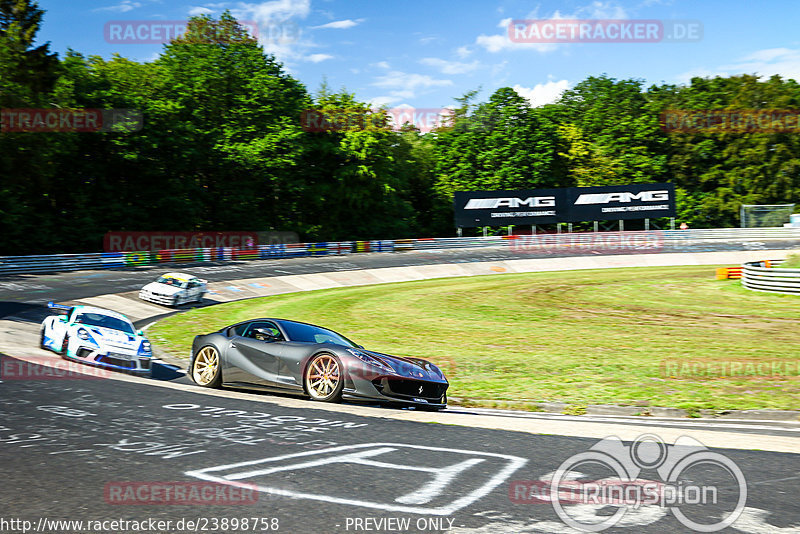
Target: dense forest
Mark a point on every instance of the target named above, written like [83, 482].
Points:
[222, 147]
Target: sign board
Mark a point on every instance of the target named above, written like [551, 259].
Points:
[500, 208]
[573, 204]
[615, 202]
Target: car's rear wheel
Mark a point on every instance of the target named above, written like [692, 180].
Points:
[205, 368]
[324, 379]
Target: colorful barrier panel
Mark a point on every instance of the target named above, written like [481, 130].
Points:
[112, 260]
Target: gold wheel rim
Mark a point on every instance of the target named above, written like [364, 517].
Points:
[323, 376]
[205, 366]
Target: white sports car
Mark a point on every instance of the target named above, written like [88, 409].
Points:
[173, 289]
[97, 337]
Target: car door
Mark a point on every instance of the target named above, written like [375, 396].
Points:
[252, 358]
[192, 291]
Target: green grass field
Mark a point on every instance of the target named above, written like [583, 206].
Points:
[612, 336]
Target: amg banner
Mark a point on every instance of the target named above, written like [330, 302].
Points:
[572, 204]
[615, 202]
[500, 208]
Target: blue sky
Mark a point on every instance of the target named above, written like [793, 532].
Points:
[426, 53]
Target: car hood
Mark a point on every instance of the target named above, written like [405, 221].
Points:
[408, 367]
[113, 338]
[162, 289]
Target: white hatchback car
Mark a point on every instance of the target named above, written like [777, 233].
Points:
[173, 289]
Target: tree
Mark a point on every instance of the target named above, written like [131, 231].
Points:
[27, 76]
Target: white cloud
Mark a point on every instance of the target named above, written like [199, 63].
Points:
[767, 62]
[317, 58]
[199, 11]
[428, 40]
[277, 10]
[498, 68]
[501, 42]
[379, 101]
[279, 32]
[594, 10]
[542, 93]
[463, 52]
[449, 67]
[122, 7]
[405, 85]
[782, 61]
[382, 64]
[602, 10]
[339, 24]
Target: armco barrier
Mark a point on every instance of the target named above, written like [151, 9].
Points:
[763, 276]
[671, 240]
[111, 260]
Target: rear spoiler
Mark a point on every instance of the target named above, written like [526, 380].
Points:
[60, 308]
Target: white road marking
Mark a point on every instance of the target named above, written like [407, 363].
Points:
[441, 476]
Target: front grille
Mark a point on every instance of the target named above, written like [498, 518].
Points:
[398, 387]
[116, 361]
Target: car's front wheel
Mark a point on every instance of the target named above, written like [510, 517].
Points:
[41, 340]
[205, 369]
[324, 378]
[64, 347]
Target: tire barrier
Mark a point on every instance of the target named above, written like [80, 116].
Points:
[656, 241]
[764, 276]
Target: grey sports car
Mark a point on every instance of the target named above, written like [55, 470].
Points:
[295, 357]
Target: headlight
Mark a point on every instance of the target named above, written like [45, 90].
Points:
[145, 349]
[366, 358]
[438, 372]
[83, 334]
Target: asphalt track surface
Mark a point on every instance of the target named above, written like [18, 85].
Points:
[80, 450]
[103, 449]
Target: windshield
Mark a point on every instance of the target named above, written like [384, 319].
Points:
[306, 333]
[104, 321]
[171, 281]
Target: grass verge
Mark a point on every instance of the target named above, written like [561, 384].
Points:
[635, 336]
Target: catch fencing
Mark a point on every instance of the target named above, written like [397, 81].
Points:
[768, 276]
[609, 242]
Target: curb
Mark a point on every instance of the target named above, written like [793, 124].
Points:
[644, 412]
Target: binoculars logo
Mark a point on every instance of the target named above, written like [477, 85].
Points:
[706, 491]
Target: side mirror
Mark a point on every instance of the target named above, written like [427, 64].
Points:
[139, 333]
[63, 318]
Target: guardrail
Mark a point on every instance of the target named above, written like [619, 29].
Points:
[763, 276]
[734, 233]
[112, 260]
[607, 242]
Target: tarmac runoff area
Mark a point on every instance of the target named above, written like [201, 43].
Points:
[19, 339]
